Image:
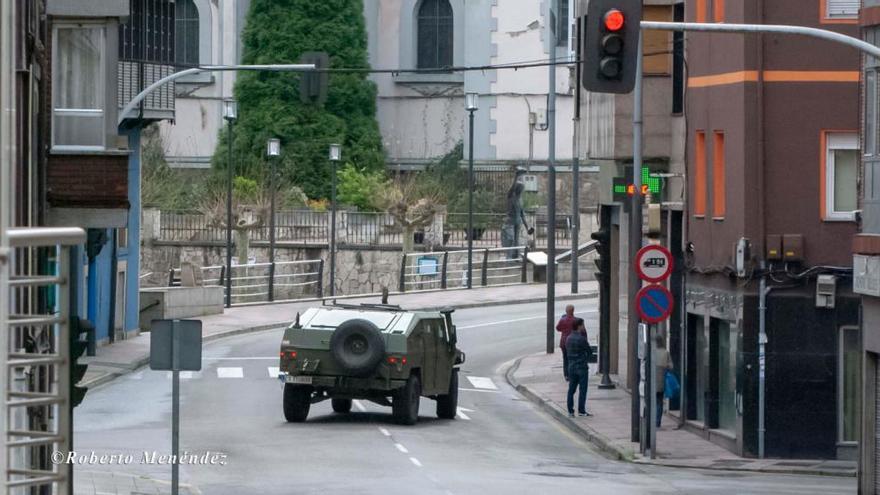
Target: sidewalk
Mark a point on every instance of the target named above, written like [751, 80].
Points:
[124, 356]
[116, 483]
[539, 378]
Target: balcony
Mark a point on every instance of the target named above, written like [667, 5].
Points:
[146, 54]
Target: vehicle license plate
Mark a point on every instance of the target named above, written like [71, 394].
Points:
[307, 380]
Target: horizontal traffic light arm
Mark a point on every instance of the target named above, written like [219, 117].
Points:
[765, 28]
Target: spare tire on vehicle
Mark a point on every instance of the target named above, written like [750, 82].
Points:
[357, 347]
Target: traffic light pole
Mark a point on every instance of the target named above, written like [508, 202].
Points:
[551, 185]
[635, 243]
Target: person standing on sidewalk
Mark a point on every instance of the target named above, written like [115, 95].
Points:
[579, 354]
[662, 362]
[565, 327]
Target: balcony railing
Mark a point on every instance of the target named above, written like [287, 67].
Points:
[36, 356]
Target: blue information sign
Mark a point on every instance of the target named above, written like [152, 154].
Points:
[654, 303]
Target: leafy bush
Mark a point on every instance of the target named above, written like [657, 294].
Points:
[360, 188]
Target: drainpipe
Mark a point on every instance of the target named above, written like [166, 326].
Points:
[762, 342]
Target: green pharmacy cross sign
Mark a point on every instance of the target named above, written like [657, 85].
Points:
[623, 187]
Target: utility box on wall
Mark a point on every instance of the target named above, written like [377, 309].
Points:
[826, 290]
[793, 247]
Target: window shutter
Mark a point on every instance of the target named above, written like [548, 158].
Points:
[843, 8]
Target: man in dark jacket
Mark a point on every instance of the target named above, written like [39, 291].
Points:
[565, 327]
[579, 354]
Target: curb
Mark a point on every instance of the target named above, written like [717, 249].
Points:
[145, 360]
[607, 448]
[588, 434]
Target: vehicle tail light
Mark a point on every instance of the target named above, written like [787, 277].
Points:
[392, 360]
[292, 354]
[403, 360]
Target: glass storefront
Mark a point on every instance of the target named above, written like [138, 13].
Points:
[702, 379]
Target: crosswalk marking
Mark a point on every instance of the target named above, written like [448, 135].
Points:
[360, 406]
[184, 375]
[462, 415]
[230, 373]
[482, 382]
[273, 371]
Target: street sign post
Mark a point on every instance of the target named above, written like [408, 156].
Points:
[654, 263]
[175, 345]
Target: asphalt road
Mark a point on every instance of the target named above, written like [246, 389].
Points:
[500, 443]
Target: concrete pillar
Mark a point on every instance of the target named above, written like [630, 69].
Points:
[151, 224]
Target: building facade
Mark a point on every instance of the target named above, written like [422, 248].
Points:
[772, 153]
[866, 256]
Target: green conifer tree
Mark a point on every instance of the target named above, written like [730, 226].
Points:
[280, 31]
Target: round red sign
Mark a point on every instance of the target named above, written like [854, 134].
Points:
[653, 263]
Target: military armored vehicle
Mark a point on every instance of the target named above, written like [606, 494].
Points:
[381, 353]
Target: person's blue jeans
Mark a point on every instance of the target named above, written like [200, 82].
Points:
[578, 379]
[564, 363]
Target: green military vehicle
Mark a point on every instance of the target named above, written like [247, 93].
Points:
[375, 352]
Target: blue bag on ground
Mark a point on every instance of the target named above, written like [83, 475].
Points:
[672, 387]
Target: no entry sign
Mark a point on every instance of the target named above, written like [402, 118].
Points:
[654, 303]
[653, 263]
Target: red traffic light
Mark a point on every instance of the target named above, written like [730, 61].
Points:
[613, 20]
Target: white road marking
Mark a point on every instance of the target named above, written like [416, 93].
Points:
[360, 406]
[230, 373]
[401, 448]
[482, 382]
[415, 461]
[478, 390]
[184, 375]
[240, 358]
[273, 371]
[462, 415]
[490, 323]
[137, 376]
[385, 432]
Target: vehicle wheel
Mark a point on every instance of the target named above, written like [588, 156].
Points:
[297, 400]
[341, 406]
[405, 406]
[447, 405]
[357, 347]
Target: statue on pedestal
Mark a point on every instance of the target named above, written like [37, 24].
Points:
[515, 217]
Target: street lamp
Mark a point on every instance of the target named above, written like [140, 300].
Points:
[471, 105]
[335, 155]
[273, 150]
[230, 113]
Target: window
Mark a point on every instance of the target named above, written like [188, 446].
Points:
[78, 101]
[657, 44]
[678, 62]
[186, 33]
[841, 175]
[700, 174]
[727, 347]
[841, 9]
[700, 10]
[561, 22]
[434, 34]
[718, 179]
[870, 128]
[718, 11]
[849, 370]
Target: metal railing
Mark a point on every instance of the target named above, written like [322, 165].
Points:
[257, 282]
[448, 269]
[36, 407]
[361, 229]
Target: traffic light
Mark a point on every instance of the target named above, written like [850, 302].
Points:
[603, 237]
[610, 49]
[79, 328]
[312, 84]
